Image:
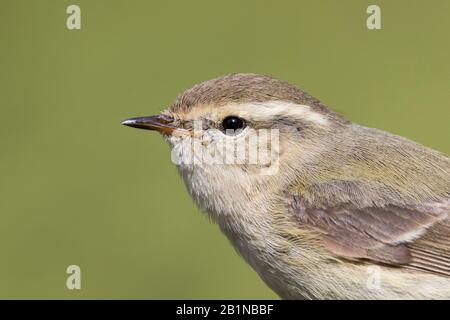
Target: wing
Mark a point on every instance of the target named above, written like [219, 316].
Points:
[415, 237]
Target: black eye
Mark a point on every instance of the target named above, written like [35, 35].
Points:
[232, 124]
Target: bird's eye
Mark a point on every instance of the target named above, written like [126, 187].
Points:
[233, 125]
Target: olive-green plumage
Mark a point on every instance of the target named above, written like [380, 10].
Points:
[346, 204]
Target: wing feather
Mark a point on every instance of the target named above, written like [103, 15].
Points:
[416, 237]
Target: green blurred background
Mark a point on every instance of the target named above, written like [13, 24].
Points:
[78, 188]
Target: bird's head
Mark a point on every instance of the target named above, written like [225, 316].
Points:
[241, 128]
[241, 113]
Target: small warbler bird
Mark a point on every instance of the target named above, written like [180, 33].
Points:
[335, 211]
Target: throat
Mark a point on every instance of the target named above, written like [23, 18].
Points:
[230, 192]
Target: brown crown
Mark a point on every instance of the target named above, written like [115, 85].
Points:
[246, 87]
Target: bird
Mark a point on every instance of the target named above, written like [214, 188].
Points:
[335, 210]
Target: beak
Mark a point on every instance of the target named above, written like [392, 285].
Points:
[160, 123]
